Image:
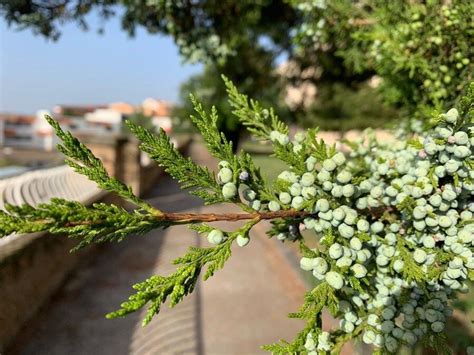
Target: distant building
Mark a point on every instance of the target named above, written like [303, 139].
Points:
[107, 119]
[159, 111]
[33, 131]
[18, 130]
[26, 131]
[153, 107]
[2, 132]
[123, 108]
[75, 110]
[73, 117]
[45, 137]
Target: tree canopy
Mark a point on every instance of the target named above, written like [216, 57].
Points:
[422, 50]
[202, 29]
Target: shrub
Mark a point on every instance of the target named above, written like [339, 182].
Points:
[393, 221]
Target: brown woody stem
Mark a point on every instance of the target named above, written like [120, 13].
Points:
[184, 218]
[233, 217]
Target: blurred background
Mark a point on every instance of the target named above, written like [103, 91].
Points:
[92, 64]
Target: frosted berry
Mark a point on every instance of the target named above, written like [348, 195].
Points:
[229, 190]
[334, 280]
[216, 236]
[225, 175]
[242, 240]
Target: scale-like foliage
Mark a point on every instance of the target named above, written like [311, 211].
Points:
[81, 159]
[190, 175]
[157, 289]
[258, 120]
[216, 142]
[95, 224]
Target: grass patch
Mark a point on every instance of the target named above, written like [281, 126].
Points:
[257, 147]
[269, 166]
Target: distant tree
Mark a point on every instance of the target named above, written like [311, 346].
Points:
[421, 49]
[203, 30]
[341, 107]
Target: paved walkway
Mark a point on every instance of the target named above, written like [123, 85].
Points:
[239, 309]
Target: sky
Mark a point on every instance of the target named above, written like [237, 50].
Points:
[87, 68]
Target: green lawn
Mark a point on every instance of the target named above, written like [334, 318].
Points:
[269, 166]
[260, 152]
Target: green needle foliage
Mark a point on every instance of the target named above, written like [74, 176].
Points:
[157, 289]
[322, 296]
[263, 124]
[393, 222]
[258, 120]
[216, 142]
[190, 175]
[81, 159]
[95, 224]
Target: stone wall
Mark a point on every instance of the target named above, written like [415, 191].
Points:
[32, 268]
[30, 275]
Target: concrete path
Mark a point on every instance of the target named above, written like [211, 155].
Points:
[235, 312]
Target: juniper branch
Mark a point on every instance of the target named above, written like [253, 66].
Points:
[258, 120]
[261, 122]
[216, 142]
[105, 221]
[232, 217]
[315, 301]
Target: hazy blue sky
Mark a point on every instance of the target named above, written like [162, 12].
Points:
[86, 68]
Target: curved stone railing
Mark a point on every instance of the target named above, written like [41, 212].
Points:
[39, 186]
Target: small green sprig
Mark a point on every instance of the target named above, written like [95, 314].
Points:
[216, 142]
[157, 289]
[191, 176]
[81, 159]
[320, 297]
[261, 122]
[258, 120]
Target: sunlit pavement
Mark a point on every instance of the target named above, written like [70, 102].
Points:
[242, 307]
